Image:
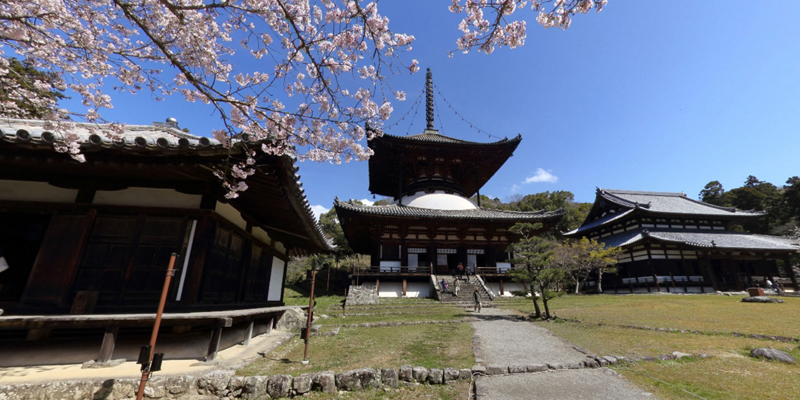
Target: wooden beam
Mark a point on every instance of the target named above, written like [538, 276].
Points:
[405, 282]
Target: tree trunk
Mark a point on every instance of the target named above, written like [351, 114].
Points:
[577, 285]
[544, 301]
[537, 311]
[600, 280]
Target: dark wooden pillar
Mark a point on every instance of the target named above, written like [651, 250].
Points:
[378, 286]
[57, 261]
[502, 292]
[790, 271]
[705, 265]
[201, 250]
[405, 283]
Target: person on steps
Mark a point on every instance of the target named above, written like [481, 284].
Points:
[476, 298]
[456, 286]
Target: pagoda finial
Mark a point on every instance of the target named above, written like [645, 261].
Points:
[429, 99]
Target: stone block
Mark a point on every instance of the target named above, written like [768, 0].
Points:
[450, 375]
[465, 373]
[324, 381]
[406, 374]
[435, 376]
[678, 355]
[420, 374]
[611, 360]
[255, 386]
[590, 363]
[389, 377]
[536, 367]
[279, 385]
[516, 369]
[773, 354]
[357, 379]
[235, 386]
[495, 369]
[666, 357]
[574, 365]
[302, 384]
[602, 361]
[556, 366]
[479, 369]
[215, 383]
[178, 385]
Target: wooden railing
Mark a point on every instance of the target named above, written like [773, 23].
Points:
[492, 270]
[372, 270]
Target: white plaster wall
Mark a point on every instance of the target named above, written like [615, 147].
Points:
[35, 191]
[231, 214]
[147, 197]
[508, 287]
[261, 235]
[418, 289]
[391, 289]
[276, 280]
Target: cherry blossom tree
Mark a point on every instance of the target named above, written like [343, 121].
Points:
[323, 65]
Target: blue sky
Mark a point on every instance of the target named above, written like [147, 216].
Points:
[646, 95]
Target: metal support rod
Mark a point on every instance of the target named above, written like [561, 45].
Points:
[156, 325]
[310, 315]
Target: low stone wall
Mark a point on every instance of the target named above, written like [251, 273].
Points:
[226, 385]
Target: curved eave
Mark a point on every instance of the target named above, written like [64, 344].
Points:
[703, 240]
[394, 157]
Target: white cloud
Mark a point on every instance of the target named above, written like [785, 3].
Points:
[514, 188]
[367, 202]
[319, 210]
[541, 176]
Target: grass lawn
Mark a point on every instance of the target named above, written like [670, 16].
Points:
[706, 313]
[729, 374]
[430, 346]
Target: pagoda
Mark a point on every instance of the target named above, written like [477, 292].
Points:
[431, 224]
[671, 243]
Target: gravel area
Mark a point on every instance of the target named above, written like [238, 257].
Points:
[500, 338]
[594, 384]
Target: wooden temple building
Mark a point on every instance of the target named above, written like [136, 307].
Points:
[431, 225]
[673, 243]
[88, 243]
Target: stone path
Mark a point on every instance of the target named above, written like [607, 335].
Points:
[502, 339]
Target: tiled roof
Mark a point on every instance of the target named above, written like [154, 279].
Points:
[706, 239]
[600, 221]
[476, 214]
[432, 136]
[669, 203]
[159, 139]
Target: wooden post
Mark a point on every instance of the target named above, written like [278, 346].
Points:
[404, 287]
[248, 334]
[310, 314]
[502, 293]
[344, 305]
[156, 325]
[213, 345]
[378, 286]
[109, 341]
[672, 279]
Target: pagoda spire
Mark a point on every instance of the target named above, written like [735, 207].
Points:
[429, 99]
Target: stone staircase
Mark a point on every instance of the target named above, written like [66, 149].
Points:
[464, 297]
